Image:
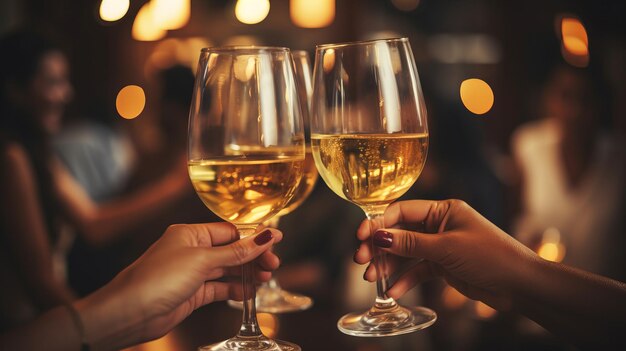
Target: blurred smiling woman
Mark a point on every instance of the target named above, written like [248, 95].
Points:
[38, 194]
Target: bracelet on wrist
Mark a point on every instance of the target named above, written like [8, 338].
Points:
[80, 327]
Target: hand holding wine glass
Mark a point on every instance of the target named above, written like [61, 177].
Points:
[456, 243]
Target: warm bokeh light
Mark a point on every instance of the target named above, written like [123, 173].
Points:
[574, 36]
[144, 28]
[551, 248]
[130, 101]
[252, 11]
[171, 14]
[574, 40]
[405, 5]
[328, 61]
[483, 311]
[113, 10]
[268, 324]
[476, 95]
[549, 251]
[452, 298]
[312, 14]
[575, 46]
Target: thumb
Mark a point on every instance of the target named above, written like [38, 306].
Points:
[410, 244]
[243, 250]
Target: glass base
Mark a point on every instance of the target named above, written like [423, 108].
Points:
[387, 322]
[276, 300]
[252, 343]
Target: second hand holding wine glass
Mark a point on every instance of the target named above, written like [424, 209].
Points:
[246, 153]
[369, 138]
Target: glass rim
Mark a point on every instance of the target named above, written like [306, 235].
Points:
[361, 42]
[244, 48]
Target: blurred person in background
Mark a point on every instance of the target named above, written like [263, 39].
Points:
[97, 150]
[39, 194]
[573, 172]
[105, 141]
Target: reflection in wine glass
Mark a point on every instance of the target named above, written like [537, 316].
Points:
[246, 152]
[270, 297]
[369, 139]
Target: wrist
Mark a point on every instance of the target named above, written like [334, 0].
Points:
[518, 273]
[105, 320]
[527, 281]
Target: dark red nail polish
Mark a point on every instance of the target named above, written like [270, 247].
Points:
[264, 237]
[366, 270]
[383, 239]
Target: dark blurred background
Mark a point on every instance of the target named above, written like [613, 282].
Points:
[515, 47]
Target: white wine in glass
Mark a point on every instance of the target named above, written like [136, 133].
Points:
[245, 190]
[270, 297]
[370, 169]
[246, 153]
[369, 138]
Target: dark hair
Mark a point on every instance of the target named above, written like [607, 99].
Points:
[177, 89]
[20, 58]
[596, 86]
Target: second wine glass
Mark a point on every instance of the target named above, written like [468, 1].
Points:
[246, 153]
[270, 297]
[369, 138]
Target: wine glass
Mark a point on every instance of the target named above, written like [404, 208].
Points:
[246, 152]
[270, 297]
[369, 139]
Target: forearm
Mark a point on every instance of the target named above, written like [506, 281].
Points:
[105, 321]
[52, 331]
[104, 317]
[576, 305]
[108, 323]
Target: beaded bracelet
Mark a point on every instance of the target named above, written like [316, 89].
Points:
[84, 346]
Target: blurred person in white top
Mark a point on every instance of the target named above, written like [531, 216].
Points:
[573, 172]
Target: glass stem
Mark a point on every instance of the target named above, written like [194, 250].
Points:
[273, 223]
[377, 221]
[249, 325]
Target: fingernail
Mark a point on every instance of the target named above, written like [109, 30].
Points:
[264, 237]
[383, 239]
